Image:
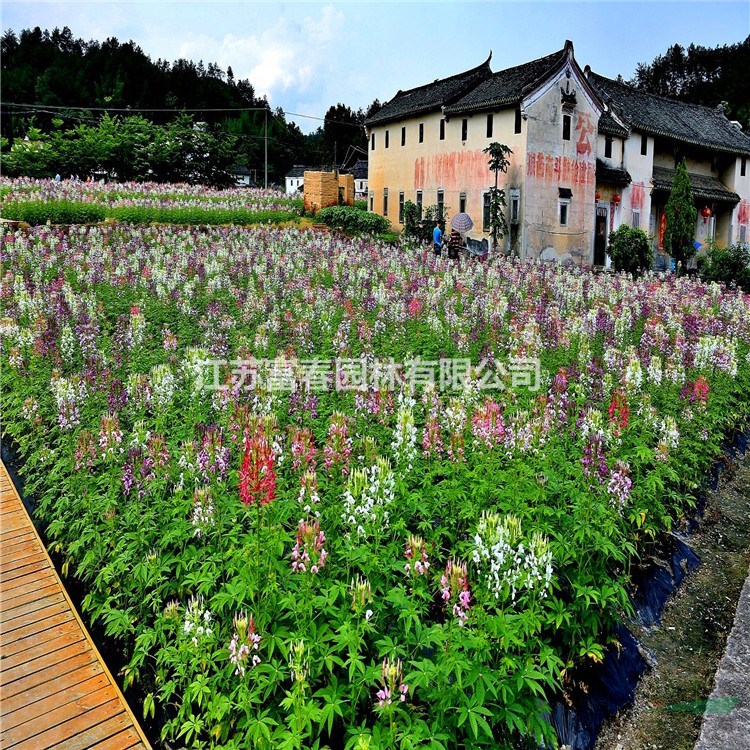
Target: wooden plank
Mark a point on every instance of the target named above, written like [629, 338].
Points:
[9, 586]
[26, 538]
[23, 612]
[33, 567]
[29, 589]
[122, 741]
[38, 647]
[56, 671]
[78, 733]
[41, 723]
[41, 663]
[41, 706]
[55, 689]
[43, 690]
[66, 628]
[32, 629]
[38, 615]
[23, 556]
[17, 522]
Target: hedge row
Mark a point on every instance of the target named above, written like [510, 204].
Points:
[70, 212]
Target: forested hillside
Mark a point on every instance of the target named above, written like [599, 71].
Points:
[702, 75]
[56, 84]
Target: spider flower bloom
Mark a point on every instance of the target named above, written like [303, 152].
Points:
[416, 554]
[361, 593]
[619, 413]
[454, 588]
[244, 641]
[303, 449]
[338, 446]
[257, 473]
[701, 390]
[391, 678]
[309, 553]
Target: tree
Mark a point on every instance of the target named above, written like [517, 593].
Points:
[498, 162]
[702, 75]
[681, 215]
[630, 250]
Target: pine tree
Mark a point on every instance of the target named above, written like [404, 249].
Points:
[682, 216]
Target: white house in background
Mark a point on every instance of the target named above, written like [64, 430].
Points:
[243, 177]
[295, 179]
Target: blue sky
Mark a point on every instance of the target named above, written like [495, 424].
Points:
[306, 56]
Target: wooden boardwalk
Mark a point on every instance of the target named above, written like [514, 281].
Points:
[55, 690]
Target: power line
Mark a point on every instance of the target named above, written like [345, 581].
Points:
[45, 107]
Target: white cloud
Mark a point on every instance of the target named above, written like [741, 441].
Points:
[287, 55]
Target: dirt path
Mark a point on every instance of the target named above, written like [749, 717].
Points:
[672, 698]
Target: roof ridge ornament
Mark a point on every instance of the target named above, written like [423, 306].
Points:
[568, 97]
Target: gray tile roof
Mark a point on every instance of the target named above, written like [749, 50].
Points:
[679, 121]
[508, 86]
[609, 126]
[703, 186]
[359, 169]
[298, 170]
[430, 97]
[612, 175]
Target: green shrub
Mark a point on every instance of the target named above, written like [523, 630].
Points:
[361, 205]
[727, 265]
[630, 250]
[54, 212]
[352, 219]
[71, 212]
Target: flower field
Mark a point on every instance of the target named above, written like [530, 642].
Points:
[317, 490]
[34, 200]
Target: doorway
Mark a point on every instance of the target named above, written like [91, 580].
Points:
[600, 236]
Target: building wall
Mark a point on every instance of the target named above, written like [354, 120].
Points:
[735, 225]
[636, 197]
[293, 184]
[553, 163]
[541, 163]
[453, 165]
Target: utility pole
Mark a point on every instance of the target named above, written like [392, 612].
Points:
[265, 147]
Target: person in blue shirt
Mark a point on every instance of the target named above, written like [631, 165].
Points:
[437, 238]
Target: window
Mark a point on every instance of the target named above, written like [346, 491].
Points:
[566, 127]
[462, 203]
[372, 142]
[608, 147]
[385, 201]
[387, 139]
[515, 206]
[419, 203]
[372, 201]
[517, 128]
[644, 144]
[464, 129]
[563, 205]
[486, 212]
[403, 136]
[743, 167]
[442, 130]
[636, 218]
[400, 208]
[489, 126]
[440, 202]
[421, 132]
[743, 234]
